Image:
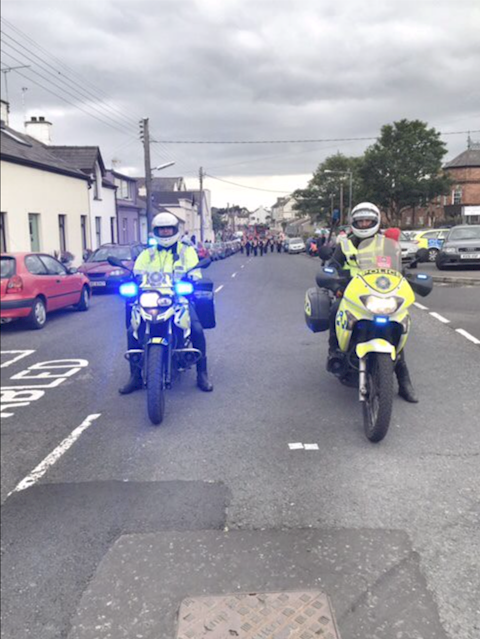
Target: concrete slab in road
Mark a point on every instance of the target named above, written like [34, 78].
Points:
[372, 577]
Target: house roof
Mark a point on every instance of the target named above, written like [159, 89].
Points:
[162, 183]
[469, 158]
[81, 157]
[122, 176]
[19, 148]
[172, 197]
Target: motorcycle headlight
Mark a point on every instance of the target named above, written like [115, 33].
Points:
[381, 305]
[149, 299]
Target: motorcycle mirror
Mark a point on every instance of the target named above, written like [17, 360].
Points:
[421, 283]
[325, 252]
[114, 261]
[422, 255]
[205, 263]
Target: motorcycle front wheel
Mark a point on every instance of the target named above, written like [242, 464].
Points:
[155, 384]
[377, 407]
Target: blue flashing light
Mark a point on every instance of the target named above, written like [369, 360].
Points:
[329, 270]
[129, 289]
[184, 288]
[421, 276]
[381, 320]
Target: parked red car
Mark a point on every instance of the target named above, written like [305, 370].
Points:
[102, 275]
[33, 284]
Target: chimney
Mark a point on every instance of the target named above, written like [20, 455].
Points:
[5, 112]
[40, 129]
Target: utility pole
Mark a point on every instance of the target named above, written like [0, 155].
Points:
[145, 135]
[201, 175]
[341, 202]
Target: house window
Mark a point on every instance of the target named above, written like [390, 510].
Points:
[98, 230]
[3, 232]
[34, 228]
[62, 225]
[123, 189]
[83, 225]
[112, 229]
[457, 195]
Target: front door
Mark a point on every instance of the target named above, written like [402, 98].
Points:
[34, 227]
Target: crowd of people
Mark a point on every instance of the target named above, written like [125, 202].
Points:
[259, 246]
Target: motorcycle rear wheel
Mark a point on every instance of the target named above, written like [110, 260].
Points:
[155, 384]
[377, 407]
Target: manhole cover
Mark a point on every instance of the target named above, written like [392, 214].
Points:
[279, 615]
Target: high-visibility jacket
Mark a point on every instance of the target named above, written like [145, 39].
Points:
[349, 251]
[176, 260]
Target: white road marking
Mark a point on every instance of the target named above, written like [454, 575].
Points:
[295, 446]
[311, 447]
[421, 306]
[243, 266]
[20, 355]
[440, 318]
[38, 472]
[219, 289]
[234, 275]
[467, 335]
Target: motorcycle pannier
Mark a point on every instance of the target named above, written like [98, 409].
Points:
[205, 303]
[317, 310]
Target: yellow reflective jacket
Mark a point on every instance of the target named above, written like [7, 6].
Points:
[176, 260]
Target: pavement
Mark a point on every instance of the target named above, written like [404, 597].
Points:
[125, 520]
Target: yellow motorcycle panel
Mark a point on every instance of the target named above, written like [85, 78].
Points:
[377, 345]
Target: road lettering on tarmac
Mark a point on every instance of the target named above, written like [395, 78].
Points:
[17, 356]
[54, 373]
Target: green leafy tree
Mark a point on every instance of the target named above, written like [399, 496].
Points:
[324, 189]
[403, 168]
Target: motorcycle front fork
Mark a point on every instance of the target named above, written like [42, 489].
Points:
[362, 379]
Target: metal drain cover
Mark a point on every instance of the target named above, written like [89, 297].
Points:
[279, 615]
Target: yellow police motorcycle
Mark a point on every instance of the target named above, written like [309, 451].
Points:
[160, 321]
[372, 323]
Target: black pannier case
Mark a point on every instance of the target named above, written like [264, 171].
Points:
[317, 310]
[205, 302]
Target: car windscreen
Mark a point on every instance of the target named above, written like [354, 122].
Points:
[102, 254]
[296, 240]
[472, 233]
[7, 267]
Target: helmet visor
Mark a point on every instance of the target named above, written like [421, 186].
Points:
[364, 223]
[165, 231]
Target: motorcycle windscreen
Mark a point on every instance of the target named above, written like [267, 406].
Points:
[379, 252]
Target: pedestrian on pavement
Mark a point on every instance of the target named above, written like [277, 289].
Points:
[365, 224]
[167, 256]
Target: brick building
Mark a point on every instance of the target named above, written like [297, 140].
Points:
[462, 204]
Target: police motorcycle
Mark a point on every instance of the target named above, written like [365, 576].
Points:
[372, 323]
[160, 321]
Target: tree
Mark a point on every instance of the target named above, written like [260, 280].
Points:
[403, 168]
[217, 222]
[323, 191]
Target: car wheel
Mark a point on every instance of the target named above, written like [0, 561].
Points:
[84, 303]
[432, 254]
[440, 263]
[38, 316]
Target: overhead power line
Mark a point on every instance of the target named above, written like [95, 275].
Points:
[244, 186]
[304, 141]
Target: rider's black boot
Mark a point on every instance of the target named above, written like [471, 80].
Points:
[203, 382]
[135, 382]
[405, 387]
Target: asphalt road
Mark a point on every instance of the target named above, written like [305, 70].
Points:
[131, 518]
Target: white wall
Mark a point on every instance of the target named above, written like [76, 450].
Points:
[104, 208]
[27, 190]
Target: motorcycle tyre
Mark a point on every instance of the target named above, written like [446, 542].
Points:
[380, 369]
[155, 384]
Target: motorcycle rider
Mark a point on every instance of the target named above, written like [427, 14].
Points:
[168, 255]
[365, 224]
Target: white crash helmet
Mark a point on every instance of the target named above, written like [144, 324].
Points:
[365, 211]
[166, 221]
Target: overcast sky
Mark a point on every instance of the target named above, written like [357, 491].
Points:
[243, 70]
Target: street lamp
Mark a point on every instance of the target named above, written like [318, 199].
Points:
[163, 166]
[350, 174]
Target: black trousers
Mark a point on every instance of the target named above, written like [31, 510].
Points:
[248, 250]
[255, 250]
[197, 336]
